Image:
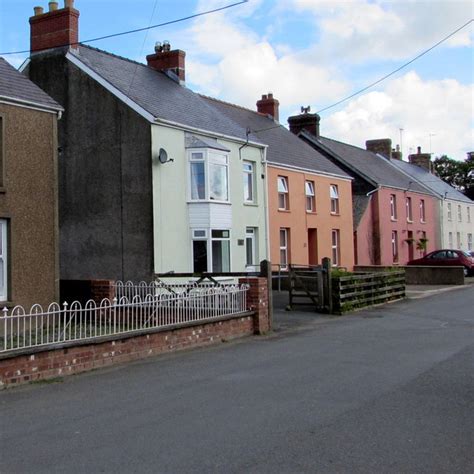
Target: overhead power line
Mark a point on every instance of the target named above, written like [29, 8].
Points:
[396, 70]
[171, 22]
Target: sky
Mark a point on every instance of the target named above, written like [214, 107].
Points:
[307, 53]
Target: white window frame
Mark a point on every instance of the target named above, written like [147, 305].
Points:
[450, 240]
[251, 238]
[207, 236]
[409, 208]
[335, 247]
[393, 207]
[310, 196]
[4, 259]
[450, 214]
[459, 213]
[248, 170]
[469, 241]
[219, 239]
[282, 186]
[468, 214]
[395, 253]
[284, 248]
[458, 240]
[334, 195]
[422, 210]
[209, 158]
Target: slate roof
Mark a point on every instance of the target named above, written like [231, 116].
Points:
[159, 95]
[431, 181]
[14, 86]
[375, 168]
[284, 148]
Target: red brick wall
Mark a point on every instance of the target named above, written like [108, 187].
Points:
[60, 362]
[72, 360]
[257, 300]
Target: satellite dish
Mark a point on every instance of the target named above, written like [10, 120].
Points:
[163, 156]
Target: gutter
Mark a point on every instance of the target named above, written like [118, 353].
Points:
[31, 105]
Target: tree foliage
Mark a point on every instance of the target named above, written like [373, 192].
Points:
[459, 174]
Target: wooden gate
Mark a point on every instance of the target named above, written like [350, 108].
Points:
[310, 285]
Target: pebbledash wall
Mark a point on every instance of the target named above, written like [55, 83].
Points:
[53, 362]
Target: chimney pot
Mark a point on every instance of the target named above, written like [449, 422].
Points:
[268, 105]
[381, 146]
[68, 3]
[422, 160]
[55, 28]
[305, 121]
[418, 149]
[165, 60]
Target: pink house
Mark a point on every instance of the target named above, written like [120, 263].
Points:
[394, 216]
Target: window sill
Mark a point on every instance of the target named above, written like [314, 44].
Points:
[393, 219]
[251, 204]
[311, 212]
[2, 190]
[335, 214]
[409, 221]
[207, 201]
[284, 210]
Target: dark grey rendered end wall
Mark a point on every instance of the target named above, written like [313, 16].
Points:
[105, 183]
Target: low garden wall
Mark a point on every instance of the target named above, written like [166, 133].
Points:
[423, 275]
[44, 362]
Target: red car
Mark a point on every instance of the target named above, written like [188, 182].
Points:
[447, 257]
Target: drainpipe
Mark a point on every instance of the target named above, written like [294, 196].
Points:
[265, 202]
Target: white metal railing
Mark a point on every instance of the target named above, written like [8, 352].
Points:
[143, 289]
[60, 324]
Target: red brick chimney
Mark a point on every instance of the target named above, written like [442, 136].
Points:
[421, 159]
[166, 60]
[305, 121]
[382, 146]
[54, 28]
[268, 105]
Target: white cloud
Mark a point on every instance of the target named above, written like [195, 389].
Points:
[361, 29]
[441, 108]
[235, 63]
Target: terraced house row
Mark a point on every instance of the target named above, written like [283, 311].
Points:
[152, 177]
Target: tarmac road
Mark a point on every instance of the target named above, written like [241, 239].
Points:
[388, 390]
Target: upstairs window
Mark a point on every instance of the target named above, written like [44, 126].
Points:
[248, 169]
[283, 193]
[208, 176]
[310, 196]
[393, 207]
[409, 210]
[450, 214]
[468, 214]
[334, 194]
[422, 211]
[459, 213]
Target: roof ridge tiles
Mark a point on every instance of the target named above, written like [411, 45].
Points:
[108, 53]
[237, 106]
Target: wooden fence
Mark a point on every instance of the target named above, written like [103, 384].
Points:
[361, 290]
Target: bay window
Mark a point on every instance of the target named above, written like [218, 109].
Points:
[211, 250]
[209, 176]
